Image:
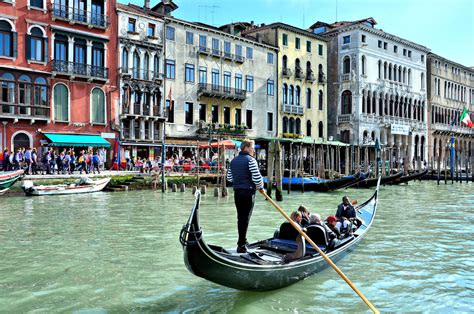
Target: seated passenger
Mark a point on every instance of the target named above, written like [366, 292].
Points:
[287, 231]
[315, 219]
[300, 242]
[331, 222]
[345, 209]
[304, 215]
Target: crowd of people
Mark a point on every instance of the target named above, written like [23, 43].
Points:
[63, 161]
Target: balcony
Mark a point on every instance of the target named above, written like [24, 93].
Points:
[448, 128]
[204, 50]
[146, 111]
[292, 109]
[223, 92]
[299, 73]
[205, 129]
[286, 72]
[321, 78]
[346, 77]
[310, 76]
[74, 69]
[141, 75]
[20, 111]
[239, 59]
[345, 118]
[75, 15]
[228, 56]
[216, 53]
[369, 118]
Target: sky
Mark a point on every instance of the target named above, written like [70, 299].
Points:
[444, 26]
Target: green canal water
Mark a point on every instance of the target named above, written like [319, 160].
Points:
[119, 252]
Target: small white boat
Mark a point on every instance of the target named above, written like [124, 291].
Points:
[4, 191]
[84, 185]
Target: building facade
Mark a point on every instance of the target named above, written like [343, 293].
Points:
[302, 68]
[379, 89]
[25, 76]
[141, 103]
[450, 90]
[218, 85]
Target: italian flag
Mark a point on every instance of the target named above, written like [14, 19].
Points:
[466, 119]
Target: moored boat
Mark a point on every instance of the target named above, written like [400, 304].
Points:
[369, 183]
[7, 179]
[83, 186]
[410, 177]
[316, 184]
[262, 268]
[2, 192]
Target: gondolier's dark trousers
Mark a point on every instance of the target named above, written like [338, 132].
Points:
[244, 201]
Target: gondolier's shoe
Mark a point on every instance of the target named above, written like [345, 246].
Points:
[242, 248]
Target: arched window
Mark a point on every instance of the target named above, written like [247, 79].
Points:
[41, 96]
[285, 125]
[363, 65]
[409, 77]
[6, 39]
[124, 61]
[298, 126]
[156, 68]
[346, 65]
[146, 67]
[136, 65]
[385, 70]
[308, 98]
[24, 94]
[320, 100]
[285, 63]
[291, 126]
[346, 102]
[285, 93]
[309, 72]
[298, 95]
[422, 78]
[61, 103]
[97, 106]
[36, 45]
[320, 129]
[390, 71]
[380, 69]
[7, 89]
[291, 95]
[308, 128]
[21, 140]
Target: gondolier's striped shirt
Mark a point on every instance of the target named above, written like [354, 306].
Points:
[244, 173]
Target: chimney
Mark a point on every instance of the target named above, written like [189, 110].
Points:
[251, 23]
[259, 37]
[231, 29]
[147, 4]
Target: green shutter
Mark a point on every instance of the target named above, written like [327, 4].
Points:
[28, 47]
[45, 50]
[15, 45]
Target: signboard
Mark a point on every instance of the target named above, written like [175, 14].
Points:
[400, 129]
[107, 135]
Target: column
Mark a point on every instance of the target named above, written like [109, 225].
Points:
[142, 129]
[141, 73]
[89, 56]
[130, 59]
[105, 59]
[88, 11]
[131, 124]
[411, 148]
[151, 128]
[70, 50]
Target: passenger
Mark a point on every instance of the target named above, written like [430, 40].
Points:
[346, 215]
[297, 217]
[300, 242]
[304, 215]
[315, 219]
[331, 222]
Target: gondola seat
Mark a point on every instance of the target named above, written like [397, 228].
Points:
[287, 232]
[317, 234]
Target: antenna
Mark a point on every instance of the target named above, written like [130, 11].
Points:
[212, 10]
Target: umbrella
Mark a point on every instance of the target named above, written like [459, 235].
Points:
[225, 143]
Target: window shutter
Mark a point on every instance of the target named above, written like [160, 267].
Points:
[28, 47]
[45, 47]
[15, 45]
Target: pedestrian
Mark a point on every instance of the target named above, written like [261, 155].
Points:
[34, 161]
[95, 162]
[246, 180]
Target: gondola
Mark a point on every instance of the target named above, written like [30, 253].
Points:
[318, 185]
[7, 179]
[262, 268]
[370, 183]
[411, 177]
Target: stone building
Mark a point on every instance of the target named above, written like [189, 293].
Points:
[378, 87]
[140, 52]
[302, 67]
[450, 90]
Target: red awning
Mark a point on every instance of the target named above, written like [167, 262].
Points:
[225, 143]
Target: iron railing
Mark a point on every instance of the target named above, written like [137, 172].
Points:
[24, 111]
[73, 14]
[222, 91]
[74, 68]
[293, 109]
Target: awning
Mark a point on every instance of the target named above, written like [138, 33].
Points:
[76, 140]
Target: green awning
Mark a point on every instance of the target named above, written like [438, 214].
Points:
[76, 140]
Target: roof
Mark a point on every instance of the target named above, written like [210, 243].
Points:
[287, 27]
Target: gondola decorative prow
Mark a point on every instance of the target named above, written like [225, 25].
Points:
[190, 233]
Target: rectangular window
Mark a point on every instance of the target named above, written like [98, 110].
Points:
[238, 50]
[320, 49]
[226, 115]
[249, 83]
[227, 77]
[346, 39]
[170, 110]
[215, 113]
[215, 79]
[238, 83]
[60, 50]
[270, 58]
[36, 49]
[202, 75]
[169, 32]
[269, 121]
[202, 42]
[385, 46]
[297, 43]
[409, 53]
[270, 88]
[249, 118]
[188, 113]
[36, 3]
[202, 112]
[227, 49]
[170, 69]
[308, 46]
[404, 52]
[423, 60]
[380, 44]
[249, 53]
[151, 30]
[363, 39]
[285, 39]
[131, 25]
[189, 73]
[238, 116]
[189, 38]
[216, 46]
[6, 44]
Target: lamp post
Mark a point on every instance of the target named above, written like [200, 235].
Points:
[453, 155]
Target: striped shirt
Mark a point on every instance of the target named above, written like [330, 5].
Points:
[244, 173]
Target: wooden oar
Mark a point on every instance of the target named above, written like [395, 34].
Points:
[298, 228]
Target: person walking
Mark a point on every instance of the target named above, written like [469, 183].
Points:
[246, 178]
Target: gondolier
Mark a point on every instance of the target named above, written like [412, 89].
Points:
[246, 179]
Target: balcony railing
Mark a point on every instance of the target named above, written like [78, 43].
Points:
[228, 55]
[140, 74]
[286, 72]
[216, 52]
[24, 111]
[75, 15]
[346, 77]
[299, 73]
[204, 50]
[452, 128]
[80, 69]
[293, 109]
[321, 78]
[345, 118]
[221, 91]
[150, 111]
[310, 76]
[239, 59]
